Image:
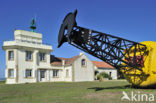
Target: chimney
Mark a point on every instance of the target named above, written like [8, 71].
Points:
[63, 62]
[81, 53]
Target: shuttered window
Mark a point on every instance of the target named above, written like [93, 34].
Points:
[10, 73]
[28, 55]
[28, 73]
[10, 55]
[55, 73]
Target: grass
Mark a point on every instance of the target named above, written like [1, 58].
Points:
[2, 82]
[64, 92]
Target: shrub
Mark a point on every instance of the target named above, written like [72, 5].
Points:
[102, 75]
[105, 75]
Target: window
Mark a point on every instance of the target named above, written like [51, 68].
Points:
[28, 55]
[42, 56]
[11, 73]
[67, 73]
[83, 62]
[28, 73]
[55, 73]
[11, 55]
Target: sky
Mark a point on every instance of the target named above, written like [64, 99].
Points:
[130, 19]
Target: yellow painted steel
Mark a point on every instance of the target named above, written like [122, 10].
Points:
[146, 77]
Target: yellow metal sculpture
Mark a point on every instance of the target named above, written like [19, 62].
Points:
[146, 77]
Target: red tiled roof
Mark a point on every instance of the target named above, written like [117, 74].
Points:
[101, 64]
[57, 61]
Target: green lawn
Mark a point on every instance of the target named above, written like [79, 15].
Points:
[64, 92]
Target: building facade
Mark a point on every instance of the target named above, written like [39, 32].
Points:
[28, 60]
[76, 69]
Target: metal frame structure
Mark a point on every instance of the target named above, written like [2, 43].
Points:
[111, 49]
[115, 51]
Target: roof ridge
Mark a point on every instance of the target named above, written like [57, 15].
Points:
[67, 60]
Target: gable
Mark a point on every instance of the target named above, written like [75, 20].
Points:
[83, 56]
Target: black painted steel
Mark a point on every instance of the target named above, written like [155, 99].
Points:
[66, 28]
[116, 51]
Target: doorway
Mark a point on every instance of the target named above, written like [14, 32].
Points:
[42, 75]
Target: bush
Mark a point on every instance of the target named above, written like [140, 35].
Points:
[105, 75]
[102, 75]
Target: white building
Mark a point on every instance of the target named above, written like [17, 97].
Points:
[28, 60]
[77, 68]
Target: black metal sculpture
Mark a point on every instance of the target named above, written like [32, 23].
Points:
[111, 49]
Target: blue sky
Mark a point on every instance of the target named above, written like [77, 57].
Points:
[131, 19]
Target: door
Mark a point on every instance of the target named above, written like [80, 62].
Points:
[42, 75]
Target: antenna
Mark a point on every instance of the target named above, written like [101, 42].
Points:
[33, 25]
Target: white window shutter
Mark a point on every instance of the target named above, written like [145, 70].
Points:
[52, 73]
[35, 73]
[59, 73]
[14, 73]
[24, 73]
